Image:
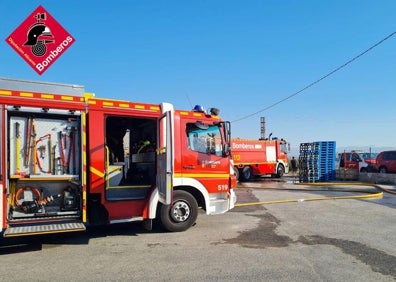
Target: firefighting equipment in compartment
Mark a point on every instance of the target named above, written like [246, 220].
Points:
[30, 200]
[30, 143]
[18, 147]
[67, 151]
[69, 200]
[42, 152]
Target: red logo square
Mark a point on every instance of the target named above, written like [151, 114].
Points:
[40, 40]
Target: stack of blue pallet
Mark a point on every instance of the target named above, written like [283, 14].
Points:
[317, 161]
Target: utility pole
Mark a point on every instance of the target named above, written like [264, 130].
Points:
[262, 128]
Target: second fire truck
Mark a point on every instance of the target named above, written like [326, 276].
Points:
[68, 160]
[259, 157]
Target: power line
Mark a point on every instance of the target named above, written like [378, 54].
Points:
[320, 79]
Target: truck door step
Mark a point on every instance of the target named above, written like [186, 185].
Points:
[44, 229]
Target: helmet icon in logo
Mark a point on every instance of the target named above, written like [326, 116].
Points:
[37, 34]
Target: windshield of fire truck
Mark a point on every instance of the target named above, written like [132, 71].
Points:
[284, 148]
[204, 138]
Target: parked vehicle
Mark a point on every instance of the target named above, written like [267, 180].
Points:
[368, 157]
[353, 161]
[259, 157]
[68, 160]
[386, 162]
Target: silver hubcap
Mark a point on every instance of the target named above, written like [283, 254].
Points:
[180, 211]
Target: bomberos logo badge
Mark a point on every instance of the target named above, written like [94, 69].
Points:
[40, 40]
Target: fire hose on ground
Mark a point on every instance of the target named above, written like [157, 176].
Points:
[369, 195]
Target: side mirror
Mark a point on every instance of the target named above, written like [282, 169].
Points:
[226, 150]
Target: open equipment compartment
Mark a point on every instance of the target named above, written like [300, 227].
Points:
[44, 156]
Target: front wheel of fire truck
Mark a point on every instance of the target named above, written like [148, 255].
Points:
[280, 171]
[181, 214]
[236, 172]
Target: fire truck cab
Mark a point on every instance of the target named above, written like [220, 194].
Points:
[69, 159]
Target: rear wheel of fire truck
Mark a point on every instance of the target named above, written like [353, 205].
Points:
[247, 173]
[181, 214]
[280, 171]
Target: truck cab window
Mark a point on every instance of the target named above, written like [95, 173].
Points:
[284, 148]
[204, 139]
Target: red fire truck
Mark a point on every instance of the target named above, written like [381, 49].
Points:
[69, 160]
[259, 157]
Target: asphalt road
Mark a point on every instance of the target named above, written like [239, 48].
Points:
[323, 240]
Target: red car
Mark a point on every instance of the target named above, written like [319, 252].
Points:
[386, 162]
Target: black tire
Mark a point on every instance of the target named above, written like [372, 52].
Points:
[280, 171]
[181, 214]
[363, 169]
[382, 170]
[247, 173]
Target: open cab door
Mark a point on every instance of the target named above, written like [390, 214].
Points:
[165, 149]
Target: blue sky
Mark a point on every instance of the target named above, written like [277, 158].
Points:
[239, 56]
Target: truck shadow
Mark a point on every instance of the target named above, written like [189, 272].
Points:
[42, 242]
